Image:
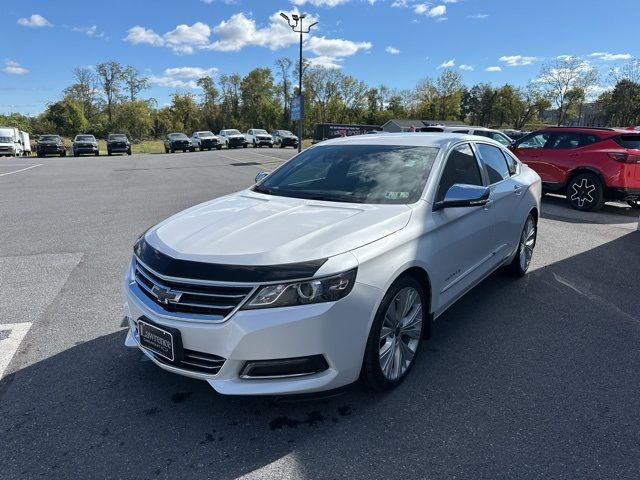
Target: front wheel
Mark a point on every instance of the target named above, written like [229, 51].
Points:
[520, 263]
[585, 192]
[395, 335]
[219, 147]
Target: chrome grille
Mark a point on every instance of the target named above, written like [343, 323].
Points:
[196, 362]
[186, 297]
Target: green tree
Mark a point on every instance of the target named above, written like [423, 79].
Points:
[135, 119]
[66, 117]
[260, 107]
[111, 76]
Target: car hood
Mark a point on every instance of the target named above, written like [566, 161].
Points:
[249, 228]
[235, 136]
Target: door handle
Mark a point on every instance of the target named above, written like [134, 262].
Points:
[517, 189]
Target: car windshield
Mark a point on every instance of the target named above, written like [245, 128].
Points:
[233, 132]
[85, 138]
[48, 138]
[117, 137]
[205, 134]
[285, 132]
[388, 174]
[177, 136]
[258, 131]
[6, 140]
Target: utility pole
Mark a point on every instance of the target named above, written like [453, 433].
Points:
[295, 22]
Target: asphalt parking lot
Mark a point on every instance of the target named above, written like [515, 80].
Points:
[530, 378]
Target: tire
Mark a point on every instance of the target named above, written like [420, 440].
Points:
[281, 145]
[385, 363]
[166, 150]
[173, 151]
[244, 145]
[254, 144]
[40, 155]
[109, 152]
[63, 154]
[271, 145]
[585, 192]
[129, 152]
[97, 153]
[219, 147]
[201, 149]
[520, 263]
[75, 154]
[635, 204]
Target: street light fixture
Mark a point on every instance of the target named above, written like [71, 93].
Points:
[296, 26]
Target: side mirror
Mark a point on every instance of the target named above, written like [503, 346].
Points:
[461, 195]
[261, 176]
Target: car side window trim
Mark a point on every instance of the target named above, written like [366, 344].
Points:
[480, 166]
[484, 165]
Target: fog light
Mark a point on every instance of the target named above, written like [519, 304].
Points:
[286, 367]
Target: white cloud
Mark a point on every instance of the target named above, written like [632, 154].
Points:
[91, 31]
[182, 77]
[392, 50]
[437, 11]
[181, 40]
[140, 35]
[517, 60]
[14, 68]
[425, 9]
[611, 57]
[478, 16]
[335, 47]
[448, 64]
[400, 4]
[326, 62]
[468, 68]
[319, 3]
[34, 21]
[184, 37]
[493, 69]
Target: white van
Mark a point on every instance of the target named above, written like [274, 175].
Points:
[10, 142]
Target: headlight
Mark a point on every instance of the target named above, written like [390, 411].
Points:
[328, 289]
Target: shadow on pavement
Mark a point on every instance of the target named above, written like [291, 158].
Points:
[535, 377]
[556, 207]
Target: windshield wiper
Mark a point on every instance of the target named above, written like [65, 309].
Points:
[260, 189]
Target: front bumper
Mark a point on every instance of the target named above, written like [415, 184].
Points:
[336, 330]
[209, 143]
[289, 142]
[264, 141]
[85, 149]
[115, 147]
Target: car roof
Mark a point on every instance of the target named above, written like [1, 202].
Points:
[601, 131]
[412, 139]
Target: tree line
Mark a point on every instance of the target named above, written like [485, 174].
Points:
[108, 98]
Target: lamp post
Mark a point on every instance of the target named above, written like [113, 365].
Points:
[295, 22]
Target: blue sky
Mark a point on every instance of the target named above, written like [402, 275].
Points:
[391, 42]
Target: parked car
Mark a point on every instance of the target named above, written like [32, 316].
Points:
[589, 165]
[513, 134]
[232, 138]
[332, 267]
[496, 135]
[205, 140]
[284, 138]
[85, 144]
[177, 141]
[258, 138]
[50, 145]
[118, 143]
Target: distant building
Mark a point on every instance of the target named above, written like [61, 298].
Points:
[396, 125]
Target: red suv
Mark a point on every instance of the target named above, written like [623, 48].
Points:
[588, 165]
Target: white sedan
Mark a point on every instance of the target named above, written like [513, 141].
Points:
[331, 268]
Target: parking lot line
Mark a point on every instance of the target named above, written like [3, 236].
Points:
[268, 156]
[9, 345]
[21, 170]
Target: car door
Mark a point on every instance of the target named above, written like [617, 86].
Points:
[563, 154]
[462, 237]
[532, 150]
[506, 192]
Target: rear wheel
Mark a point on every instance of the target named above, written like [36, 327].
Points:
[109, 152]
[129, 152]
[522, 260]
[585, 192]
[395, 335]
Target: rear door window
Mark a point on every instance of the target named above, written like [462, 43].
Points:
[628, 141]
[564, 141]
[494, 162]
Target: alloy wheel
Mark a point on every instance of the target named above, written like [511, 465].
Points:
[400, 333]
[527, 242]
[582, 192]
